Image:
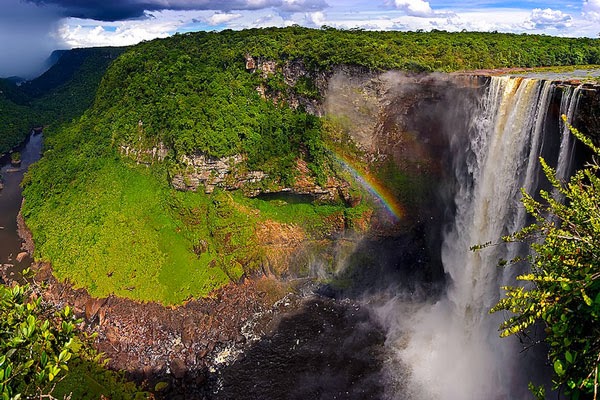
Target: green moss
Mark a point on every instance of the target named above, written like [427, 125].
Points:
[303, 213]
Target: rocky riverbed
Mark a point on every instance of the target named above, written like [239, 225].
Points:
[177, 345]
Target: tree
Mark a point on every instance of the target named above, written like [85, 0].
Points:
[562, 289]
[34, 346]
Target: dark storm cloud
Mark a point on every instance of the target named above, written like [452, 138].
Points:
[114, 10]
[25, 37]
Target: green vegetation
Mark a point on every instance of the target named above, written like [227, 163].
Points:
[113, 226]
[15, 123]
[34, 348]
[15, 157]
[563, 290]
[69, 87]
[116, 227]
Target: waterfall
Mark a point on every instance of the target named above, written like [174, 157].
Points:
[451, 348]
[568, 105]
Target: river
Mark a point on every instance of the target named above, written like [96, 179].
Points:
[10, 201]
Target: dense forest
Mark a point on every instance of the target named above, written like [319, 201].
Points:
[62, 93]
[111, 222]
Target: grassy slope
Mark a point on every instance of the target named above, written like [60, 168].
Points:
[116, 227]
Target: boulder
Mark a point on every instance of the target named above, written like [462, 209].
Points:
[178, 368]
[21, 256]
[92, 306]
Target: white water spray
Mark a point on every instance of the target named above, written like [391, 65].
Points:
[451, 348]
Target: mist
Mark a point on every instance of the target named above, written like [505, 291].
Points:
[27, 37]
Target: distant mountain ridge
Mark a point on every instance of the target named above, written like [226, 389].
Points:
[66, 64]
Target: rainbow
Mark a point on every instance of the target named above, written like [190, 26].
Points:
[373, 186]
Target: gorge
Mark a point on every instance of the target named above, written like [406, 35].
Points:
[266, 228]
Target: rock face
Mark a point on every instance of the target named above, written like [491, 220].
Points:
[145, 156]
[209, 171]
[587, 118]
[293, 72]
[228, 173]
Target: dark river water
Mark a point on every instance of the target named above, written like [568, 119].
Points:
[10, 200]
[333, 345]
[327, 349]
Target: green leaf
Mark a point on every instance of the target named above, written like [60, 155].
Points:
[586, 298]
[63, 356]
[559, 368]
[569, 357]
[44, 359]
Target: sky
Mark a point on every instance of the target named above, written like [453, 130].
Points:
[31, 29]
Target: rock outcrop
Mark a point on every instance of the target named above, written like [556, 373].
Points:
[293, 72]
[203, 172]
[145, 156]
[226, 172]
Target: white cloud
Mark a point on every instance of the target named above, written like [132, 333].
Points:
[591, 10]
[78, 33]
[548, 18]
[89, 33]
[416, 8]
[222, 18]
[316, 19]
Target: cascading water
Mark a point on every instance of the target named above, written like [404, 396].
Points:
[451, 348]
[568, 105]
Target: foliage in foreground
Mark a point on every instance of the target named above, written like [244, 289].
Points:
[34, 347]
[562, 290]
[42, 354]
